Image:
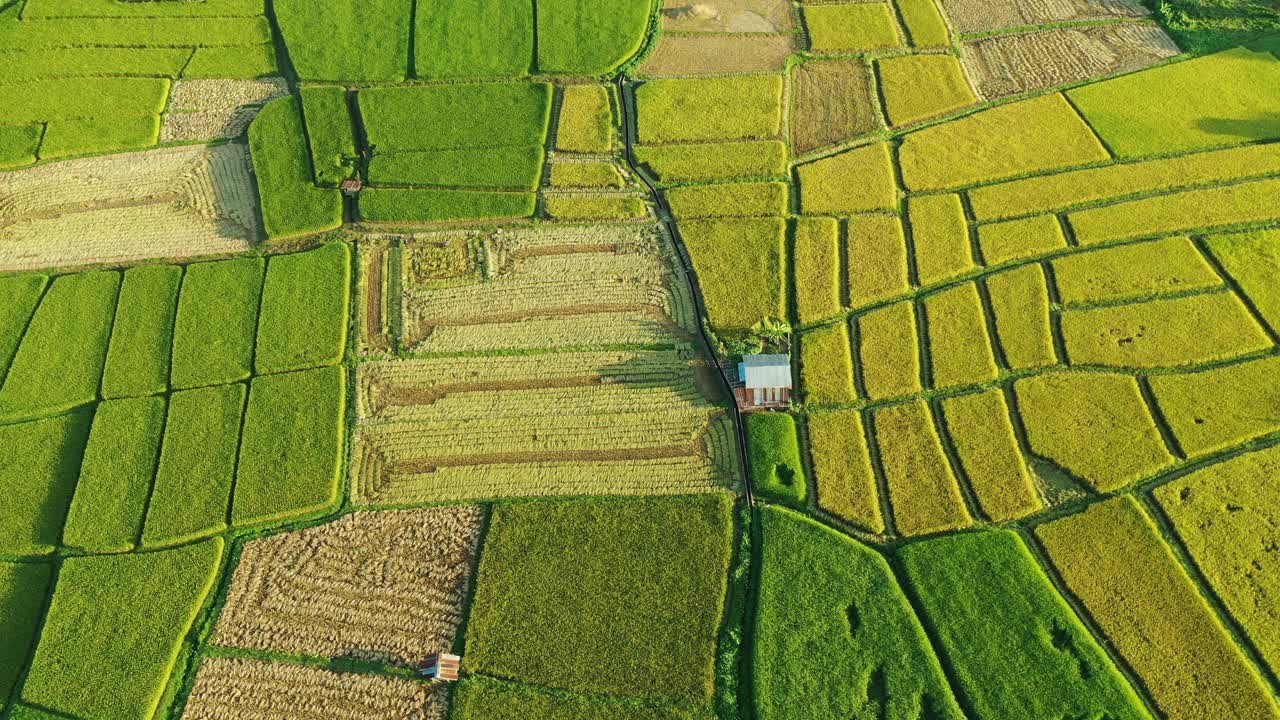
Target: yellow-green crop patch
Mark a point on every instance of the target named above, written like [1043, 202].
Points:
[922, 488]
[19, 296]
[1182, 212]
[1020, 303]
[854, 181]
[1095, 426]
[919, 87]
[1163, 333]
[596, 207]
[1024, 137]
[888, 357]
[1060, 191]
[729, 200]
[589, 174]
[817, 269]
[877, 259]
[1226, 516]
[739, 263]
[988, 451]
[45, 455]
[851, 26]
[940, 236]
[586, 120]
[826, 366]
[845, 479]
[1222, 99]
[1133, 271]
[710, 109]
[924, 23]
[1113, 559]
[1253, 261]
[1018, 239]
[959, 350]
[214, 348]
[142, 336]
[408, 205]
[713, 161]
[1215, 409]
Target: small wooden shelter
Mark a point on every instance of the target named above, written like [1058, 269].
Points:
[441, 666]
[765, 381]
[351, 186]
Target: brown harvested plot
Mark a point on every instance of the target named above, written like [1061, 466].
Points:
[831, 102]
[842, 467]
[974, 16]
[214, 109]
[374, 297]
[381, 586]
[877, 258]
[736, 16]
[1011, 64]
[922, 488]
[175, 203]
[691, 55]
[1020, 303]
[1113, 559]
[887, 353]
[229, 688]
[983, 436]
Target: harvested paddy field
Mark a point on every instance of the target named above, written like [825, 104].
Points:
[172, 203]
[692, 55]
[976, 16]
[216, 109]
[831, 102]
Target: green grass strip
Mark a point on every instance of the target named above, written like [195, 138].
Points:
[329, 130]
[142, 337]
[59, 364]
[413, 205]
[502, 168]
[114, 630]
[19, 296]
[110, 502]
[42, 100]
[213, 339]
[774, 454]
[197, 465]
[41, 458]
[86, 136]
[426, 117]
[474, 38]
[291, 453]
[22, 592]
[304, 310]
[111, 8]
[291, 204]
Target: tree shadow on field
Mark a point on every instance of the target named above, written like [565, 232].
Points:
[1261, 127]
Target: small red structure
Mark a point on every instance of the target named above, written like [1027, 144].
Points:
[351, 186]
[441, 666]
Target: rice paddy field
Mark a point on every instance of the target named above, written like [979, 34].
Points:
[337, 336]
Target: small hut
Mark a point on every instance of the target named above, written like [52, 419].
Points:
[351, 186]
[765, 381]
[441, 666]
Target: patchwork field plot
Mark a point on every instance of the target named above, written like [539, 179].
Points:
[216, 109]
[172, 203]
[974, 16]
[714, 54]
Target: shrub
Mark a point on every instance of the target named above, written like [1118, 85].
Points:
[291, 450]
[728, 200]
[23, 587]
[986, 598]
[390, 205]
[598, 207]
[709, 109]
[303, 321]
[59, 363]
[291, 204]
[1029, 136]
[1182, 212]
[211, 348]
[853, 181]
[846, 482]
[924, 23]
[634, 611]
[113, 632]
[941, 237]
[1252, 260]
[19, 296]
[817, 269]
[918, 87]
[349, 40]
[1018, 239]
[1133, 271]
[888, 351]
[111, 497]
[475, 38]
[877, 259]
[826, 365]
[329, 130]
[1214, 409]
[1020, 303]
[1187, 105]
[774, 457]
[987, 448]
[500, 168]
[714, 161]
[959, 349]
[142, 336]
[197, 465]
[1113, 559]
[852, 26]
[830, 607]
[1095, 426]
[739, 268]
[457, 116]
[589, 38]
[1163, 333]
[586, 120]
[1060, 191]
[1227, 521]
[923, 490]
